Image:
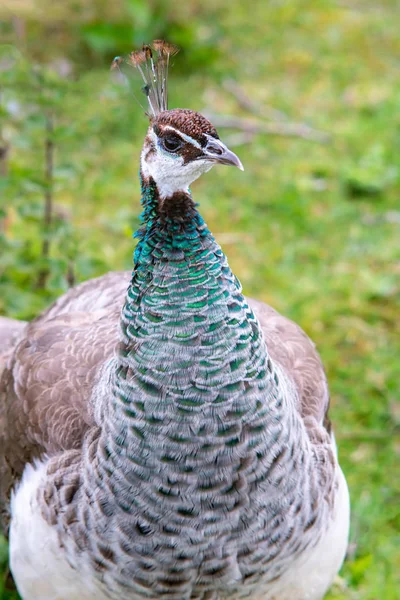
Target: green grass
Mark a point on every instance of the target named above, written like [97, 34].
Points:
[311, 229]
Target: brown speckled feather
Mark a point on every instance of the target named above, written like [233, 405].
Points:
[46, 385]
[47, 380]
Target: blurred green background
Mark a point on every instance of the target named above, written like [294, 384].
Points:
[311, 92]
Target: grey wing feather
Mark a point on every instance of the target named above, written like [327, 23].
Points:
[293, 350]
[101, 293]
[49, 375]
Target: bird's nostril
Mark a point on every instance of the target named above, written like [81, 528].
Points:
[214, 149]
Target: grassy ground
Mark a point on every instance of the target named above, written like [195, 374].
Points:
[311, 228]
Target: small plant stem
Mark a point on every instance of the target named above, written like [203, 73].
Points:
[3, 170]
[3, 158]
[3, 150]
[48, 204]
[70, 274]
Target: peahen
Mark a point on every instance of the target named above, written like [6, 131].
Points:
[179, 449]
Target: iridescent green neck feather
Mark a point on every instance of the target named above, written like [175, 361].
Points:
[189, 339]
[193, 378]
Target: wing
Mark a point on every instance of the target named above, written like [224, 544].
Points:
[47, 382]
[293, 350]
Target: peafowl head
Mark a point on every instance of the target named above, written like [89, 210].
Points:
[180, 144]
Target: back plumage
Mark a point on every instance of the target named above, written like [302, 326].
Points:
[10, 331]
[179, 448]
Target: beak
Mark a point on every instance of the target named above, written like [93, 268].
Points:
[216, 151]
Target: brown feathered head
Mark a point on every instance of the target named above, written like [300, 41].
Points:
[181, 144]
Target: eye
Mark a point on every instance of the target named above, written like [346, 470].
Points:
[171, 143]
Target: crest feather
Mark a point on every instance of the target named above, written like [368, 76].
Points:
[152, 62]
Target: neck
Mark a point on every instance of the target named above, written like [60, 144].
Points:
[167, 221]
[184, 301]
[192, 366]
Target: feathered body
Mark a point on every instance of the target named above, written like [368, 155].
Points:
[191, 459]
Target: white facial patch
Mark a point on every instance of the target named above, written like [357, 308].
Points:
[168, 171]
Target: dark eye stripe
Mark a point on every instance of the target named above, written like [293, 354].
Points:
[189, 149]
